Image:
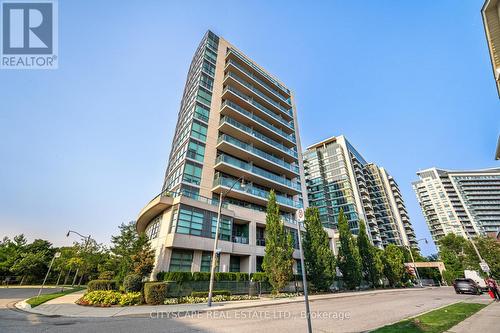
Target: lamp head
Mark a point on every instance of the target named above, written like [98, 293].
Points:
[243, 184]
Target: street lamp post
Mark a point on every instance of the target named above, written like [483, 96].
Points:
[413, 261]
[87, 241]
[214, 253]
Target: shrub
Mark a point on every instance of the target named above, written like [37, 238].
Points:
[259, 277]
[101, 285]
[201, 276]
[242, 276]
[225, 276]
[102, 297]
[155, 292]
[160, 276]
[106, 275]
[133, 298]
[214, 293]
[132, 283]
[178, 276]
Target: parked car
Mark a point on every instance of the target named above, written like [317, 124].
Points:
[466, 286]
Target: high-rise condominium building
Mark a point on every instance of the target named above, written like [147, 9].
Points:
[338, 177]
[491, 21]
[235, 120]
[466, 203]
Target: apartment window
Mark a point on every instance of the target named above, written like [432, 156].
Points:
[201, 112]
[196, 151]
[199, 131]
[206, 262]
[299, 267]
[234, 264]
[224, 228]
[190, 221]
[153, 228]
[208, 67]
[204, 96]
[192, 173]
[181, 261]
[206, 81]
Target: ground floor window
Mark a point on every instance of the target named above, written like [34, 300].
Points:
[234, 264]
[181, 261]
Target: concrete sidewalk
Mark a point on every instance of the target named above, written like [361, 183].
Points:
[487, 320]
[65, 305]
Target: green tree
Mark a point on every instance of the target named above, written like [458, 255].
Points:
[33, 260]
[368, 257]
[394, 268]
[489, 249]
[124, 246]
[457, 254]
[278, 260]
[143, 259]
[348, 261]
[319, 258]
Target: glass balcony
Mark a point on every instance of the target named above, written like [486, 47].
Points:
[261, 82]
[260, 94]
[257, 171]
[260, 71]
[259, 106]
[228, 182]
[258, 135]
[289, 137]
[258, 152]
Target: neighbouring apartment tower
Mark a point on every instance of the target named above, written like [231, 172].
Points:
[466, 203]
[338, 177]
[235, 120]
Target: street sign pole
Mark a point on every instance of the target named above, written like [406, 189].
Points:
[56, 255]
[299, 216]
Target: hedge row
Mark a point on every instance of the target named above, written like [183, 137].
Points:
[214, 293]
[201, 276]
[102, 285]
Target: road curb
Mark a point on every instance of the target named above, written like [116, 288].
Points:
[23, 305]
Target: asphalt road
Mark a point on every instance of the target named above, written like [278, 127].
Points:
[349, 314]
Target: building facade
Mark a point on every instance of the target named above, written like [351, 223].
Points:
[338, 177]
[466, 203]
[235, 120]
[491, 21]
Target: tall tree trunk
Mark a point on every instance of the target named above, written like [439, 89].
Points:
[67, 276]
[59, 278]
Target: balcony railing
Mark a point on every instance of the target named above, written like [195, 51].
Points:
[261, 82]
[289, 137]
[240, 239]
[260, 71]
[256, 170]
[258, 135]
[259, 106]
[260, 242]
[228, 182]
[258, 152]
[260, 93]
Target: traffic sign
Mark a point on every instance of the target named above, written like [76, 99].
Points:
[299, 215]
[484, 266]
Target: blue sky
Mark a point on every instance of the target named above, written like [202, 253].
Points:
[86, 146]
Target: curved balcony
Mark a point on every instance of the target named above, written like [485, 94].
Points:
[257, 69]
[233, 109]
[230, 91]
[230, 126]
[233, 78]
[236, 167]
[253, 194]
[246, 151]
[273, 92]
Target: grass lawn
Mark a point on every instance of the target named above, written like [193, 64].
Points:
[35, 301]
[435, 321]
